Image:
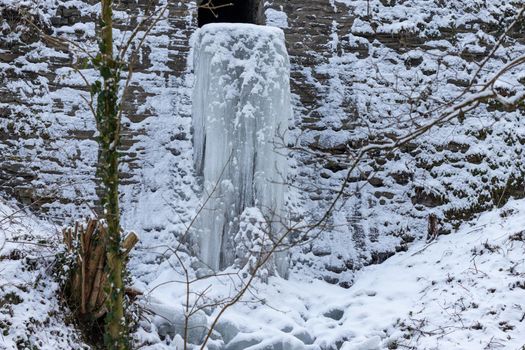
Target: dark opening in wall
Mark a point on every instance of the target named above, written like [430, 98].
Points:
[230, 11]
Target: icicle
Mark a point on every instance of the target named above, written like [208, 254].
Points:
[241, 104]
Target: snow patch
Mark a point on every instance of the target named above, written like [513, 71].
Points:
[276, 18]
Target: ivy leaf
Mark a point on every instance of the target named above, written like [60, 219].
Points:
[105, 72]
[96, 60]
[95, 88]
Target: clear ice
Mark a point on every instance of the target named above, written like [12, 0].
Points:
[241, 110]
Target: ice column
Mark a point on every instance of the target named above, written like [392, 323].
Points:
[241, 109]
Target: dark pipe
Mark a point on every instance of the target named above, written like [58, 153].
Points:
[241, 11]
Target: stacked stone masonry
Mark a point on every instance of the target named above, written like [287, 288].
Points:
[47, 142]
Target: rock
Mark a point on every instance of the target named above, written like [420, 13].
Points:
[170, 321]
[69, 12]
[334, 166]
[429, 200]
[334, 314]
[457, 147]
[345, 284]
[305, 337]
[336, 267]
[227, 329]
[287, 329]
[401, 177]
[376, 182]
[379, 257]
[385, 194]
[413, 61]
[331, 279]
[242, 344]
[318, 250]
[59, 21]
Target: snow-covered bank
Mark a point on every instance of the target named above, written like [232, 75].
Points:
[31, 315]
[462, 291]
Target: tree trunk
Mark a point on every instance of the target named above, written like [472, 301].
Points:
[109, 128]
[88, 286]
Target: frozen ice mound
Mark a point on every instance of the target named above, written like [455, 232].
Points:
[241, 109]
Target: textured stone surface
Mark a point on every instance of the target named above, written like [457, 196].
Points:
[47, 117]
[46, 133]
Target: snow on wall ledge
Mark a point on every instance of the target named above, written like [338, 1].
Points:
[241, 103]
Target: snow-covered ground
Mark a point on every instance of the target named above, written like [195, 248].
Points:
[31, 313]
[462, 291]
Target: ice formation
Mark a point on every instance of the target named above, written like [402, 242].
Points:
[241, 109]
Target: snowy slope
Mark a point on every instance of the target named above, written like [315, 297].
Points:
[31, 313]
[462, 291]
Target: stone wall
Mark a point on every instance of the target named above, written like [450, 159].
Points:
[356, 65]
[47, 133]
[343, 61]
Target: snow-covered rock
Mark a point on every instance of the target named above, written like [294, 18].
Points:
[170, 321]
[461, 291]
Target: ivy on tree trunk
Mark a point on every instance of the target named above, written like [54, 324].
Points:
[108, 125]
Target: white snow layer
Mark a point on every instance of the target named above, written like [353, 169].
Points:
[32, 316]
[241, 109]
[461, 291]
[276, 18]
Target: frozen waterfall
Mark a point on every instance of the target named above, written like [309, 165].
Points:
[241, 109]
